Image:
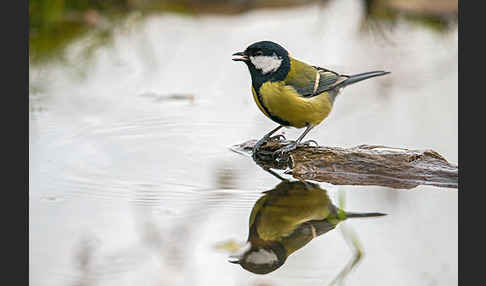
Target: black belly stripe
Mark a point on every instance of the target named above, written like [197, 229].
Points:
[273, 117]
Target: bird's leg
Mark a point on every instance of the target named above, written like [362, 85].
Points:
[284, 150]
[263, 140]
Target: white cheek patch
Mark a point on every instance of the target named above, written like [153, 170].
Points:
[266, 63]
[262, 257]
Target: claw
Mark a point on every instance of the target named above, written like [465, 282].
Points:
[255, 151]
[257, 146]
[283, 152]
[262, 141]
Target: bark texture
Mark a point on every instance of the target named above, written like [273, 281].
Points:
[361, 165]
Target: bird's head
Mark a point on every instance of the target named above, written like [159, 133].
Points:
[261, 260]
[265, 59]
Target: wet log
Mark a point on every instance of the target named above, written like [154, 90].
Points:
[397, 168]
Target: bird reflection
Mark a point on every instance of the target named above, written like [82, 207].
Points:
[285, 219]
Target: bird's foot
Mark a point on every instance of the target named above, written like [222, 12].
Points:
[264, 140]
[283, 152]
[257, 146]
[308, 143]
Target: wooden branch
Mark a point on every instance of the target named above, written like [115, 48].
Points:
[361, 165]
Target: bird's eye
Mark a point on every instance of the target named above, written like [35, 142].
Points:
[259, 53]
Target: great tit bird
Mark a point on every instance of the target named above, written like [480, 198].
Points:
[291, 92]
[285, 219]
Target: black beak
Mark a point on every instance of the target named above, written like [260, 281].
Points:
[240, 56]
[234, 259]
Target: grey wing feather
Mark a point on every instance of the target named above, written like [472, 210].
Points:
[327, 81]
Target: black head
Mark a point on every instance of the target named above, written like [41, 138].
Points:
[266, 60]
[262, 260]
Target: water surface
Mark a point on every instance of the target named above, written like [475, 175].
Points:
[129, 186]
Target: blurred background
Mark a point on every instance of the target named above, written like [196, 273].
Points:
[134, 104]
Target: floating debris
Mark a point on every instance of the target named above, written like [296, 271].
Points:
[165, 97]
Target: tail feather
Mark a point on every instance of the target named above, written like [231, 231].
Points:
[357, 215]
[362, 76]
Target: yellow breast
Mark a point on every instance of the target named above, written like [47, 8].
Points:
[283, 101]
[257, 101]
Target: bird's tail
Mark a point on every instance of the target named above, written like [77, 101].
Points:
[357, 215]
[362, 76]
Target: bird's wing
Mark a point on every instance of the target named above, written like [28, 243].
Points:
[316, 82]
[283, 213]
[327, 80]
